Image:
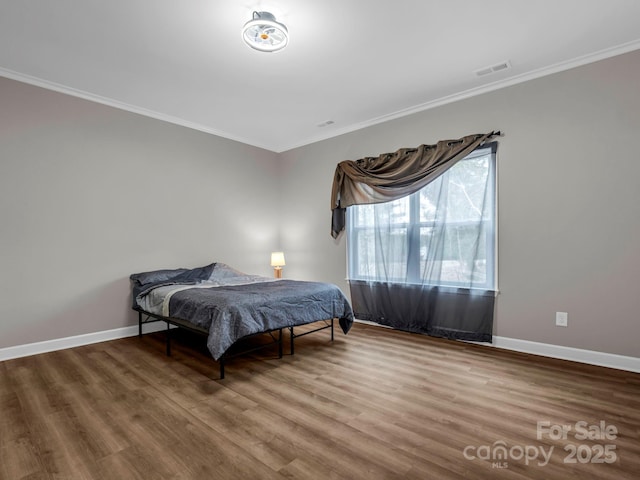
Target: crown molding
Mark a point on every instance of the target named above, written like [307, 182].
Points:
[110, 102]
[472, 92]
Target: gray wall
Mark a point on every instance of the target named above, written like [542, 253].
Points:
[569, 200]
[90, 194]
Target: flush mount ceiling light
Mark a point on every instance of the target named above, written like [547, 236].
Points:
[263, 33]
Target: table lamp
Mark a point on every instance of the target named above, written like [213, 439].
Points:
[277, 262]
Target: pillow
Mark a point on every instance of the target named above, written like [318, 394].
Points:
[156, 276]
[145, 281]
[194, 275]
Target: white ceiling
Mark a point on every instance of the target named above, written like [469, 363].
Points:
[354, 62]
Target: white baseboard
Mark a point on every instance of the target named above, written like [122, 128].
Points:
[76, 341]
[602, 359]
[620, 362]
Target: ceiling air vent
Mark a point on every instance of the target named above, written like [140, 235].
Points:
[498, 67]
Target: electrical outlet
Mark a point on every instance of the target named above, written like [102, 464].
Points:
[562, 319]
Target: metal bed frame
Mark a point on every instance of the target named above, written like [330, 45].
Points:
[184, 324]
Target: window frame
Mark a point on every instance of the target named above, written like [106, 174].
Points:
[413, 231]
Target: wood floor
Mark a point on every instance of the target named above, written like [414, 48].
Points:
[373, 404]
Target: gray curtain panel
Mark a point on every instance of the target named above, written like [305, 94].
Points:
[457, 314]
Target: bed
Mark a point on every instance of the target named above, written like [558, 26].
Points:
[226, 305]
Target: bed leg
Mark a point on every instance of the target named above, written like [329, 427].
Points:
[280, 343]
[332, 329]
[168, 340]
[139, 324]
[291, 341]
[221, 368]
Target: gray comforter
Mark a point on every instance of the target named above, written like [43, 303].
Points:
[231, 305]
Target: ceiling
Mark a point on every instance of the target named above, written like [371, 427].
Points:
[352, 62]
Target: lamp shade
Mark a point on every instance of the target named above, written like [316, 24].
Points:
[277, 259]
[264, 33]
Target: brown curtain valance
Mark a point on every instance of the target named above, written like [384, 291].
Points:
[394, 175]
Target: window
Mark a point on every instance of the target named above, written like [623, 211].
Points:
[442, 235]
